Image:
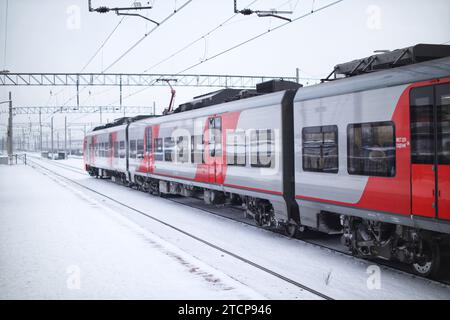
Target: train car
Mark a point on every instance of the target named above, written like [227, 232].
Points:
[372, 156]
[105, 151]
[228, 152]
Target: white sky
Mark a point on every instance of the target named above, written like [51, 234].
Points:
[41, 37]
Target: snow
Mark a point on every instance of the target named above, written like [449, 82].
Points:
[48, 234]
[77, 227]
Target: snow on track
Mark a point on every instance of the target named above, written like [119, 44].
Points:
[49, 234]
[331, 273]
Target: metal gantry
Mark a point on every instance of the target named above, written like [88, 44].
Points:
[137, 80]
[79, 109]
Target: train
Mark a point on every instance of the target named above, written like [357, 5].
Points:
[365, 153]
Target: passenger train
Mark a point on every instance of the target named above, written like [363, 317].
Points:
[365, 154]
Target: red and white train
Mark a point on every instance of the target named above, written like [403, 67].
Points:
[366, 155]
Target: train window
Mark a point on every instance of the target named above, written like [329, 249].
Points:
[261, 148]
[122, 149]
[371, 149]
[133, 149]
[116, 149]
[159, 156]
[182, 149]
[197, 149]
[443, 122]
[422, 125]
[235, 147]
[148, 139]
[169, 146]
[320, 149]
[140, 149]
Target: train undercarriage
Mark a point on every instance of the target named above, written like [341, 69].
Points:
[364, 238]
[420, 249]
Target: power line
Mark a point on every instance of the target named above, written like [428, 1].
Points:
[207, 34]
[102, 45]
[260, 35]
[135, 45]
[146, 35]
[238, 45]
[195, 41]
[93, 56]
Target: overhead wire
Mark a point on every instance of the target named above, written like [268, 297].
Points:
[146, 35]
[103, 44]
[138, 42]
[93, 57]
[190, 44]
[260, 35]
[239, 45]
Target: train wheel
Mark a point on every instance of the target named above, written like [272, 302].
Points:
[290, 230]
[428, 265]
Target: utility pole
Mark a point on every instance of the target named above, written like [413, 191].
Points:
[29, 135]
[57, 141]
[22, 143]
[52, 138]
[70, 141]
[297, 75]
[65, 134]
[10, 128]
[40, 131]
[100, 108]
[121, 96]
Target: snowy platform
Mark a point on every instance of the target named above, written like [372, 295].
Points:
[58, 244]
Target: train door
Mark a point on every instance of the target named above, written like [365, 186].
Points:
[109, 150]
[149, 159]
[214, 158]
[91, 149]
[430, 151]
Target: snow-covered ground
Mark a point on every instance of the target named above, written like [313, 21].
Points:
[57, 243]
[107, 237]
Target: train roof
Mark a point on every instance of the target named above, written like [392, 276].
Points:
[438, 68]
[235, 105]
[123, 121]
[392, 59]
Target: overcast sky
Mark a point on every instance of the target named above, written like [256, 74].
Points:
[61, 36]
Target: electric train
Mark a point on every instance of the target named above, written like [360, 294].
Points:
[365, 154]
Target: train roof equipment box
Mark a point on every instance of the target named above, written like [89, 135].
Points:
[393, 59]
[209, 99]
[276, 85]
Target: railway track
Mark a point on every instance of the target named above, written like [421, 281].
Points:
[198, 204]
[301, 286]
